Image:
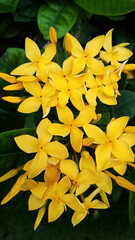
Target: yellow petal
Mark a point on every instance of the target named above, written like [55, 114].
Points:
[27, 143]
[77, 99]
[76, 136]
[122, 53]
[116, 127]
[72, 201]
[34, 202]
[107, 99]
[27, 79]
[39, 189]
[12, 99]
[69, 168]
[129, 138]
[125, 183]
[31, 50]
[93, 46]
[42, 72]
[14, 87]
[109, 90]
[87, 200]
[103, 153]
[121, 168]
[16, 187]
[42, 131]
[59, 81]
[38, 164]
[49, 53]
[82, 188]
[52, 175]
[77, 81]
[108, 41]
[59, 129]
[122, 151]
[63, 98]
[85, 116]
[53, 35]
[57, 150]
[8, 78]
[9, 174]
[77, 218]
[29, 105]
[33, 88]
[55, 210]
[28, 185]
[96, 66]
[91, 96]
[40, 215]
[86, 161]
[25, 69]
[105, 183]
[63, 186]
[67, 65]
[96, 133]
[98, 204]
[78, 65]
[76, 48]
[87, 176]
[65, 115]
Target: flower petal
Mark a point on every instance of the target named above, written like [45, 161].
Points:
[42, 131]
[57, 150]
[122, 151]
[129, 138]
[40, 215]
[33, 88]
[27, 143]
[72, 201]
[108, 41]
[34, 203]
[85, 116]
[76, 136]
[55, 210]
[29, 105]
[69, 168]
[49, 53]
[116, 127]
[77, 99]
[96, 133]
[25, 69]
[65, 115]
[59, 129]
[103, 153]
[93, 46]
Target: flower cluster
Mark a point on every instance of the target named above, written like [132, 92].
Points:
[72, 154]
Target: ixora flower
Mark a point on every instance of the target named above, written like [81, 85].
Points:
[113, 142]
[74, 157]
[42, 147]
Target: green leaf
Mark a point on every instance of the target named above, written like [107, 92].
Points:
[60, 14]
[8, 5]
[7, 143]
[26, 11]
[107, 7]
[104, 111]
[132, 207]
[126, 105]
[12, 58]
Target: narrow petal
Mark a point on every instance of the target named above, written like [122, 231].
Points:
[27, 143]
[14, 87]
[29, 105]
[108, 41]
[27, 79]
[55, 210]
[63, 98]
[65, 115]
[91, 96]
[12, 99]
[59, 129]
[69, 168]
[122, 151]
[57, 150]
[116, 127]
[96, 133]
[76, 136]
[93, 46]
[8, 78]
[67, 65]
[25, 69]
[76, 48]
[40, 215]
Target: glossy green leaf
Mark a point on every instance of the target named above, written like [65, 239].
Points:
[107, 7]
[7, 143]
[104, 111]
[126, 105]
[132, 207]
[60, 14]
[12, 58]
[26, 11]
[8, 5]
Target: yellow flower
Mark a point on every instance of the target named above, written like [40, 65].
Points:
[71, 125]
[42, 147]
[41, 96]
[82, 58]
[114, 54]
[60, 199]
[113, 142]
[39, 63]
[88, 204]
